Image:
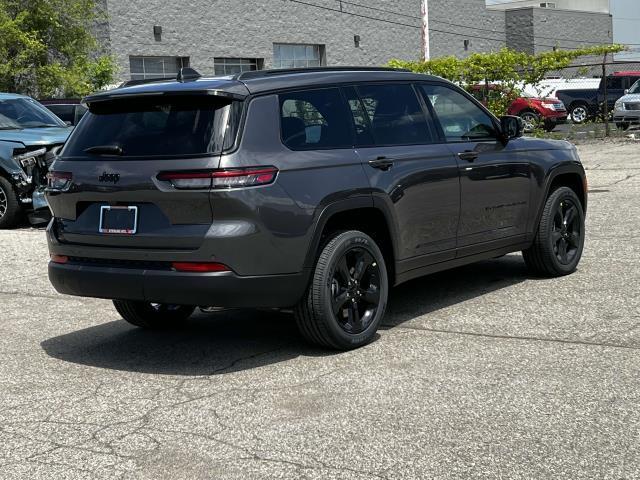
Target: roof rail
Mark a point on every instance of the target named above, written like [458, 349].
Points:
[288, 71]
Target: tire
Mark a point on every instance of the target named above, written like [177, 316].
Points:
[152, 315]
[10, 209]
[531, 121]
[347, 295]
[557, 247]
[579, 113]
[623, 126]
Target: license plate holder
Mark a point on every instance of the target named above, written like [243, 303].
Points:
[122, 220]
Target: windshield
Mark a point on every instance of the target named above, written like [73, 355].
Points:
[152, 127]
[635, 88]
[18, 113]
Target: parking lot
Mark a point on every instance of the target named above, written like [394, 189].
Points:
[480, 372]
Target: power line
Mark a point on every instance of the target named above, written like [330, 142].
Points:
[337, 10]
[394, 12]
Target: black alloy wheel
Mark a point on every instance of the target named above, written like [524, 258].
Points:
[355, 290]
[347, 294]
[567, 232]
[557, 247]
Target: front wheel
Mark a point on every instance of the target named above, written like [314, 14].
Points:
[530, 121]
[347, 296]
[557, 247]
[9, 206]
[152, 315]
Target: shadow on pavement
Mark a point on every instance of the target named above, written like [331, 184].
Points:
[235, 340]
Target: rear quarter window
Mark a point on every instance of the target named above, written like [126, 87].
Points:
[167, 127]
[315, 119]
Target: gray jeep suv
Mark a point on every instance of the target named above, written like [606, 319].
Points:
[317, 189]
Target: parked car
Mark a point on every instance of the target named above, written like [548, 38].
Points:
[627, 109]
[312, 189]
[535, 112]
[70, 110]
[29, 137]
[585, 104]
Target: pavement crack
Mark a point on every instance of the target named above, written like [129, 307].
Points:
[515, 337]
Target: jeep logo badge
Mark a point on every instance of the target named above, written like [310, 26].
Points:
[109, 177]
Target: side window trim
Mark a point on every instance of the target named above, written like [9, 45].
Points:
[432, 120]
[354, 134]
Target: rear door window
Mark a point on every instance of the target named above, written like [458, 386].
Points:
[315, 120]
[167, 127]
[395, 115]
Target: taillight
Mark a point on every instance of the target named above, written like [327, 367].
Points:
[59, 180]
[200, 267]
[220, 179]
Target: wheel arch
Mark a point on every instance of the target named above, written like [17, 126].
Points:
[571, 176]
[356, 214]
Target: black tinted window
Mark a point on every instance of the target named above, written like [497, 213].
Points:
[66, 113]
[314, 119]
[459, 117]
[156, 127]
[615, 83]
[395, 114]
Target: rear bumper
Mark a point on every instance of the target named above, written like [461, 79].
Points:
[166, 286]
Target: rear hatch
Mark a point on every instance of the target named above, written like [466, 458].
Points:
[108, 186]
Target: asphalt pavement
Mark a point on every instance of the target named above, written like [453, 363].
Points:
[483, 372]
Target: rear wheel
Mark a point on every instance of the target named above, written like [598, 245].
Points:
[9, 206]
[152, 315]
[347, 296]
[558, 245]
[579, 113]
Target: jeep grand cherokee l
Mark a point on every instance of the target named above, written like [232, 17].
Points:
[316, 189]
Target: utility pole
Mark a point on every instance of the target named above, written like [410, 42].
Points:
[426, 50]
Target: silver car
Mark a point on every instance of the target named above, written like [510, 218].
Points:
[627, 109]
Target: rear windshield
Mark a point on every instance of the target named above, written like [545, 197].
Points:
[156, 127]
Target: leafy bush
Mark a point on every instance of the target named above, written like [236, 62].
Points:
[511, 69]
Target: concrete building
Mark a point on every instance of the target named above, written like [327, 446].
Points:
[599, 6]
[154, 38]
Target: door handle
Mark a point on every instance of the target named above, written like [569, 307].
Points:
[381, 163]
[468, 155]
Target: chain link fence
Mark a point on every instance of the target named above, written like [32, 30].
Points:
[600, 100]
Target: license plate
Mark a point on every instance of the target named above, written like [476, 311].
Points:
[123, 220]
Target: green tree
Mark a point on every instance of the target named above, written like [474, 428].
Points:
[48, 48]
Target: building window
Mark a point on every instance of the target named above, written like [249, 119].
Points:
[143, 68]
[286, 55]
[230, 66]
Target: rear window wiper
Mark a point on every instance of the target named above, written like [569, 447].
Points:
[105, 150]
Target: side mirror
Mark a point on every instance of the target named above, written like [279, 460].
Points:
[626, 91]
[68, 123]
[512, 127]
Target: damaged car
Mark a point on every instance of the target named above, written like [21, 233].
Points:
[30, 136]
